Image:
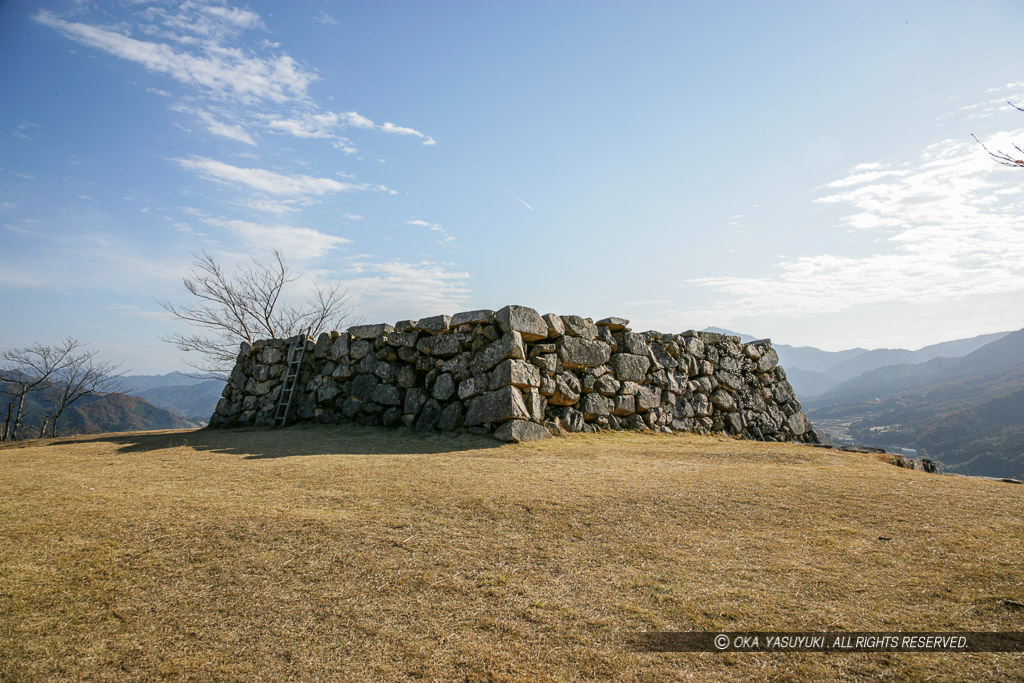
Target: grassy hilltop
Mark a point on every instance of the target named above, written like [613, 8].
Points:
[368, 554]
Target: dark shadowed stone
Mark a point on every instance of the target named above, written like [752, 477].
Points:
[515, 431]
[340, 347]
[450, 418]
[630, 367]
[579, 327]
[444, 387]
[497, 406]
[328, 392]
[387, 395]
[442, 345]
[270, 356]
[406, 377]
[391, 417]
[435, 324]
[524, 320]
[370, 331]
[359, 349]
[361, 388]
[429, 416]
[403, 339]
[613, 323]
[472, 317]
[576, 352]
[323, 345]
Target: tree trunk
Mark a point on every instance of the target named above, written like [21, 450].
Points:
[53, 425]
[7, 422]
[17, 417]
[42, 430]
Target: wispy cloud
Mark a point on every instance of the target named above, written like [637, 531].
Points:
[295, 185]
[226, 72]
[444, 237]
[326, 125]
[400, 288]
[326, 19]
[215, 126]
[294, 242]
[949, 224]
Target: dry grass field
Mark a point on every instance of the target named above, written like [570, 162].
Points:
[346, 553]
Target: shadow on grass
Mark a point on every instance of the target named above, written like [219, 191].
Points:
[255, 443]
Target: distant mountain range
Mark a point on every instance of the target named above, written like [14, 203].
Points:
[187, 396]
[171, 401]
[813, 371]
[95, 414]
[960, 402]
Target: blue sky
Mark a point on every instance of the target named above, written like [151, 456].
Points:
[797, 170]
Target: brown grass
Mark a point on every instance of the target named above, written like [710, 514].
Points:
[366, 554]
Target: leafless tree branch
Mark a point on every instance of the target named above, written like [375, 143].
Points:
[247, 305]
[1001, 157]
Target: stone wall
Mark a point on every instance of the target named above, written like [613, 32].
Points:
[519, 376]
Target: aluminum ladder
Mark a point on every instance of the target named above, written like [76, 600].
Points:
[296, 353]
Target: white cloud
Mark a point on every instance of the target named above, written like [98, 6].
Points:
[215, 126]
[274, 206]
[222, 71]
[949, 224]
[445, 240]
[327, 125]
[295, 243]
[325, 19]
[389, 127]
[397, 288]
[295, 185]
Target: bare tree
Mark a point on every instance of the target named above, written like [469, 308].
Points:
[1001, 157]
[30, 369]
[247, 305]
[82, 375]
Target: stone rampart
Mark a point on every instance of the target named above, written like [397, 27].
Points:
[519, 376]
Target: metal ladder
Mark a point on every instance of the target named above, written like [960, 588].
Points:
[296, 353]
